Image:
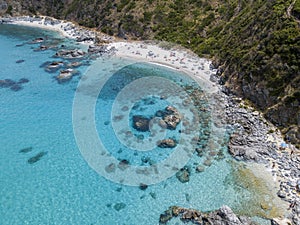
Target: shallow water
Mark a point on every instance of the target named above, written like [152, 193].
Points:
[45, 178]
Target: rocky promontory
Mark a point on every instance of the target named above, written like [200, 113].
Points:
[222, 216]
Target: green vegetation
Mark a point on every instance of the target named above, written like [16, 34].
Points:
[9, 10]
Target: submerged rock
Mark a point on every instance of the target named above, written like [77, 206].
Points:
[183, 175]
[119, 206]
[172, 117]
[42, 48]
[26, 150]
[143, 186]
[141, 123]
[74, 64]
[123, 164]
[111, 168]
[167, 143]
[16, 87]
[20, 61]
[36, 158]
[23, 81]
[6, 83]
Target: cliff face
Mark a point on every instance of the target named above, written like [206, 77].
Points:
[255, 44]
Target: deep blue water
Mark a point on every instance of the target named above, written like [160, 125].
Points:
[58, 186]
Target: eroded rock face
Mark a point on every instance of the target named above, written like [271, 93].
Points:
[222, 216]
[141, 123]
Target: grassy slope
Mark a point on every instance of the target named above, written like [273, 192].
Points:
[256, 43]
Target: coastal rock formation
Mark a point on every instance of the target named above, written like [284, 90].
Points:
[222, 216]
[254, 139]
[70, 54]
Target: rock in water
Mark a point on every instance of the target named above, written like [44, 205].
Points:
[65, 75]
[183, 175]
[172, 117]
[167, 143]
[227, 214]
[36, 158]
[223, 216]
[143, 186]
[141, 123]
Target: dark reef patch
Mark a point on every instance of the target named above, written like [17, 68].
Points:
[20, 61]
[26, 150]
[36, 158]
[16, 87]
[23, 81]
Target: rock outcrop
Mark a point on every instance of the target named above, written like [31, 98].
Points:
[222, 216]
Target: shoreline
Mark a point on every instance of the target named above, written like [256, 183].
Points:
[199, 69]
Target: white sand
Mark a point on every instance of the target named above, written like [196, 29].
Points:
[59, 27]
[175, 58]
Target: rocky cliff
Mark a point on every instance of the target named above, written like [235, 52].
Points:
[255, 44]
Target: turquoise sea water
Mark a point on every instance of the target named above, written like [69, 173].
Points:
[44, 177]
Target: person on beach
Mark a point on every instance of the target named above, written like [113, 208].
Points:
[292, 205]
[273, 165]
